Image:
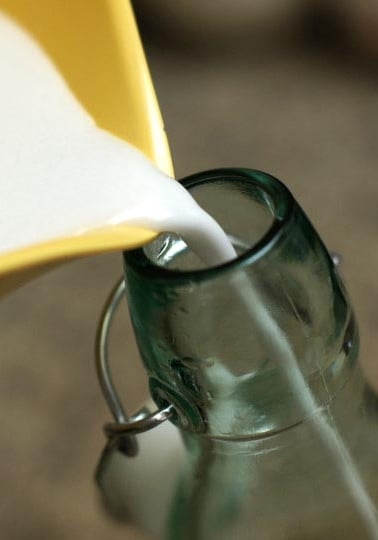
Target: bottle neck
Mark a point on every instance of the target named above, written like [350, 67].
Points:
[254, 346]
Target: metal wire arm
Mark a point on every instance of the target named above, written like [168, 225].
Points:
[124, 428]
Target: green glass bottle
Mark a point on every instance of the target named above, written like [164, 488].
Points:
[259, 359]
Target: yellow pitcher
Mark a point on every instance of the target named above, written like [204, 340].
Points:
[96, 46]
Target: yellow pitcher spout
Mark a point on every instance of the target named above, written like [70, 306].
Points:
[96, 46]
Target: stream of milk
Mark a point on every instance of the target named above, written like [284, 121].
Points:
[61, 175]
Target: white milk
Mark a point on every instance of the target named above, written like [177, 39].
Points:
[61, 175]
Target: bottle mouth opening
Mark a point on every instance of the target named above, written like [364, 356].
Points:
[251, 206]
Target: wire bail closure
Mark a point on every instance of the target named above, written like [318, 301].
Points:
[122, 431]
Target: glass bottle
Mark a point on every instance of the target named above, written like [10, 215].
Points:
[259, 359]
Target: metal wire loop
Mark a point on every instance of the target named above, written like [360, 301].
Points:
[123, 426]
[138, 423]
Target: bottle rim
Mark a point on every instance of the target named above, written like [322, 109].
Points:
[282, 205]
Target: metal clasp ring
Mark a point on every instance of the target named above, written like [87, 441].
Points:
[123, 430]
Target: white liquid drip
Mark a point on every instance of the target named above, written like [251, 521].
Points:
[62, 176]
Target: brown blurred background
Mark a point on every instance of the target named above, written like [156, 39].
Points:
[287, 86]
